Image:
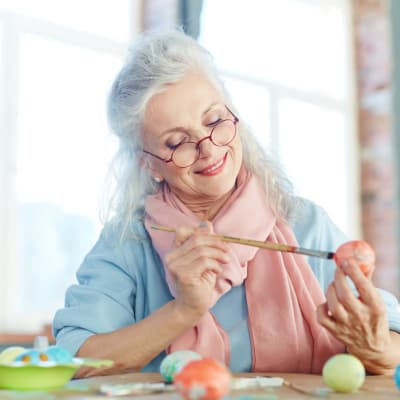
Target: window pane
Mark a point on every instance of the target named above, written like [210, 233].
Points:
[300, 44]
[314, 152]
[63, 152]
[105, 18]
[1, 86]
[256, 112]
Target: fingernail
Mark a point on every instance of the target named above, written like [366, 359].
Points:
[345, 264]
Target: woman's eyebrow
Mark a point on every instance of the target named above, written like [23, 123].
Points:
[210, 107]
[175, 129]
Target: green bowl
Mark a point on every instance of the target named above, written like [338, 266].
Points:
[34, 377]
[45, 376]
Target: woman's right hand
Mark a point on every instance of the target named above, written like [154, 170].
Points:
[194, 263]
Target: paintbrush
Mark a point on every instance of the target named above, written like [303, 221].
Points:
[262, 245]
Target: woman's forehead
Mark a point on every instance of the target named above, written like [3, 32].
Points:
[181, 102]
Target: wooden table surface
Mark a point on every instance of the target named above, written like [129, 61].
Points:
[375, 387]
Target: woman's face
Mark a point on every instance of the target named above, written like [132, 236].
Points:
[187, 111]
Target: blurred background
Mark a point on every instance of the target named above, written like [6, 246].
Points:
[316, 80]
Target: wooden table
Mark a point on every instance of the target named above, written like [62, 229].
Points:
[375, 387]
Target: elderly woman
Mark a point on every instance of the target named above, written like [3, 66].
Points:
[186, 161]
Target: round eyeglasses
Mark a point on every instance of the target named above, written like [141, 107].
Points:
[187, 153]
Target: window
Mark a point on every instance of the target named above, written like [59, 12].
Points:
[292, 58]
[57, 62]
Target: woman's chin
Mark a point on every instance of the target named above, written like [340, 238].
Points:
[217, 192]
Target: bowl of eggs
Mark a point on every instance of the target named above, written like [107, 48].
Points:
[40, 369]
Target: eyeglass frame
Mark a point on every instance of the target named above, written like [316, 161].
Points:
[198, 143]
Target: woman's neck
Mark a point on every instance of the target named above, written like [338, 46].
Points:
[206, 209]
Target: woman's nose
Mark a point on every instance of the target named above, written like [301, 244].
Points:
[206, 146]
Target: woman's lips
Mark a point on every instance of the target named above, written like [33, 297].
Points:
[213, 169]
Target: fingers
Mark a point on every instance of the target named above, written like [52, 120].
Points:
[345, 307]
[200, 260]
[324, 317]
[351, 319]
[343, 292]
[201, 235]
[368, 293]
[183, 233]
[199, 244]
[185, 273]
[196, 251]
[343, 303]
[336, 309]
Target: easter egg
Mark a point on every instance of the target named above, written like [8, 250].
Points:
[360, 251]
[11, 353]
[58, 354]
[343, 373]
[175, 361]
[32, 357]
[205, 379]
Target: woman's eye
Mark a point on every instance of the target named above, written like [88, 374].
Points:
[173, 146]
[216, 122]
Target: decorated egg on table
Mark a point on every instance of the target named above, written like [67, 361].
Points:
[32, 356]
[175, 361]
[361, 251]
[343, 373]
[205, 379]
[11, 353]
[58, 354]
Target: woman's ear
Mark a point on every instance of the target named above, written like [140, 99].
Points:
[153, 173]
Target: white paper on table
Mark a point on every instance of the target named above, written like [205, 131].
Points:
[256, 382]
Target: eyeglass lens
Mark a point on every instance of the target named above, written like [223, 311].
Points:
[188, 153]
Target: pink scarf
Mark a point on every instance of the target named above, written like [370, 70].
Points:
[281, 290]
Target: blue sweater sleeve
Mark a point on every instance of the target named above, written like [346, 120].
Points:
[314, 229]
[102, 301]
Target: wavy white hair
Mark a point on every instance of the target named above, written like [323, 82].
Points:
[156, 60]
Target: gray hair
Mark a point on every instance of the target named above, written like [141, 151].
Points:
[156, 60]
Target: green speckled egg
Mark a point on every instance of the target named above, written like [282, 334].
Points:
[344, 373]
[175, 361]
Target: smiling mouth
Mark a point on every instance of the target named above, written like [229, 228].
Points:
[213, 167]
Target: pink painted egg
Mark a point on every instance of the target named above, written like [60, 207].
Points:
[361, 251]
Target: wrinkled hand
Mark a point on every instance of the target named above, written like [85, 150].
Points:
[194, 263]
[360, 323]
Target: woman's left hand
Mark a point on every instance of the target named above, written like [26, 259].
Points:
[359, 322]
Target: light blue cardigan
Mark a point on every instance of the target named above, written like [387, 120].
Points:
[123, 282]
